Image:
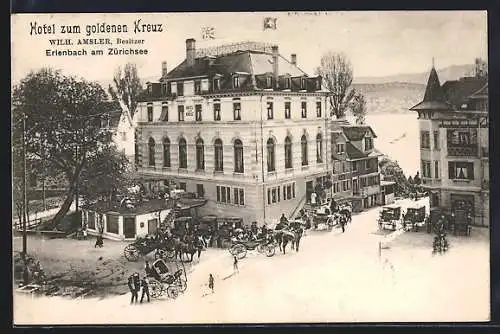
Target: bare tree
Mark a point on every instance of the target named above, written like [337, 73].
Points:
[337, 74]
[358, 108]
[125, 89]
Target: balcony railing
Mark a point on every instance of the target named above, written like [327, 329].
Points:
[463, 151]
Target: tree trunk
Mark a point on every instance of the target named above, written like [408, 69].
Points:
[69, 199]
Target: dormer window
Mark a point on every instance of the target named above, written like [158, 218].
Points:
[287, 83]
[216, 84]
[303, 83]
[236, 81]
[368, 143]
[269, 82]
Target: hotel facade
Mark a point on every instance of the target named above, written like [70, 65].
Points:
[454, 141]
[239, 125]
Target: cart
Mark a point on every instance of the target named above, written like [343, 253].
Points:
[144, 246]
[240, 248]
[414, 218]
[390, 217]
[163, 280]
[326, 220]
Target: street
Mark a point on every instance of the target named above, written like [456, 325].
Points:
[335, 277]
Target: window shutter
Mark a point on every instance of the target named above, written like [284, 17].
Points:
[470, 171]
[451, 170]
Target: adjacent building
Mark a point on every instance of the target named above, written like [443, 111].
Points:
[239, 125]
[454, 150]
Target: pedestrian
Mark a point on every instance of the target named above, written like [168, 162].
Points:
[147, 269]
[133, 291]
[313, 199]
[342, 223]
[145, 288]
[211, 282]
[99, 242]
[235, 265]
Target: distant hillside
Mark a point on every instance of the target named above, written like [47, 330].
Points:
[448, 73]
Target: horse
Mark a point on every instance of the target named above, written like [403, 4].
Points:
[189, 246]
[298, 232]
[283, 237]
[346, 211]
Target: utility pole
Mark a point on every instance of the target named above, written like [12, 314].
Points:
[25, 200]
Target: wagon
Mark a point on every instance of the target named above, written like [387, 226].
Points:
[240, 248]
[323, 219]
[390, 217]
[163, 280]
[144, 246]
[414, 218]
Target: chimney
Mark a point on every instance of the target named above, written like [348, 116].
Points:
[294, 59]
[164, 70]
[275, 64]
[190, 51]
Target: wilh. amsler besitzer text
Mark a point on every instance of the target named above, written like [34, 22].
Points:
[123, 46]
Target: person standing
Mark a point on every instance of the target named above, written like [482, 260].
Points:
[145, 288]
[313, 199]
[133, 291]
[147, 269]
[211, 282]
[235, 265]
[342, 222]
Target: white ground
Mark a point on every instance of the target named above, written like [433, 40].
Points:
[335, 277]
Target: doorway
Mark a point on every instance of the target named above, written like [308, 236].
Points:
[129, 228]
[309, 190]
[152, 226]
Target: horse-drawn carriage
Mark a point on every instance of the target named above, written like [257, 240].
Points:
[163, 280]
[414, 218]
[323, 219]
[144, 246]
[390, 217]
[239, 248]
[226, 229]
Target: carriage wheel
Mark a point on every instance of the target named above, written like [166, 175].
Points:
[183, 285]
[261, 248]
[270, 250]
[173, 291]
[239, 251]
[131, 253]
[155, 289]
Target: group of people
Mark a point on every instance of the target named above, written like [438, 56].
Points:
[135, 283]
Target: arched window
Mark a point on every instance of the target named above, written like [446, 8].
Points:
[271, 158]
[219, 155]
[288, 153]
[200, 154]
[182, 153]
[319, 148]
[238, 156]
[151, 152]
[303, 146]
[166, 152]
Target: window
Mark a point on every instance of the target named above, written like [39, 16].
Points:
[288, 108]
[346, 185]
[462, 137]
[436, 140]
[166, 152]
[304, 109]
[197, 112]
[216, 84]
[271, 159]
[124, 135]
[91, 220]
[340, 148]
[237, 111]
[150, 89]
[269, 82]
[368, 143]
[219, 155]
[180, 112]
[318, 84]
[367, 164]
[303, 147]
[319, 148]
[287, 83]
[180, 89]
[182, 153]
[318, 109]
[164, 112]
[460, 170]
[238, 156]
[302, 83]
[200, 191]
[288, 153]
[273, 195]
[436, 169]
[151, 152]
[164, 89]
[223, 194]
[200, 154]
[270, 114]
[183, 186]
[197, 86]
[236, 81]
[150, 112]
[354, 166]
[425, 139]
[288, 191]
[239, 196]
[216, 111]
[112, 224]
[137, 159]
[426, 168]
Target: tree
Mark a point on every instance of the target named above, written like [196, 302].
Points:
[337, 74]
[125, 89]
[358, 108]
[391, 171]
[64, 115]
[106, 175]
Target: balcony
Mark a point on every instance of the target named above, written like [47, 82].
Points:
[431, 182]
[463, 151]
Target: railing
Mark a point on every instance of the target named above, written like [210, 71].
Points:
[18, 225]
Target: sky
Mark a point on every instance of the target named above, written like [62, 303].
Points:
[377, 43]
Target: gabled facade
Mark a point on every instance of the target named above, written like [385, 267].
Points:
[454, 152]
[242, 127]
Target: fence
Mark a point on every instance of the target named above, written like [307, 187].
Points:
[31, 224]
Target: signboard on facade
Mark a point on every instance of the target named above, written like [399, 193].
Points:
[189, 113]
[459, 123]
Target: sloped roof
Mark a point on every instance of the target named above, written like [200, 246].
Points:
[481, 94]
[356, 132]
[434, 91]
[458, 91]
[353, 152]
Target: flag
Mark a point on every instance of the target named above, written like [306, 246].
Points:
[270, 23]
[208, 33]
